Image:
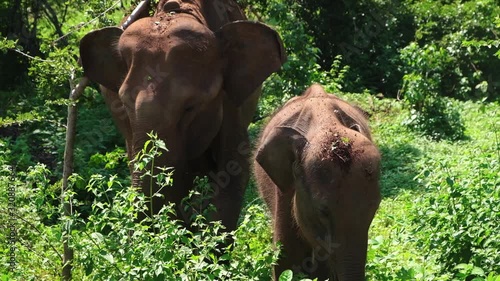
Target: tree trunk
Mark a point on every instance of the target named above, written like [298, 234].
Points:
[75, 94]
[67, 171]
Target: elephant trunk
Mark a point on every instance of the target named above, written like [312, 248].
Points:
[350, 265]
[352, 272]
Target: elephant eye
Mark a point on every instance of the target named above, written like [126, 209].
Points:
[355, 127]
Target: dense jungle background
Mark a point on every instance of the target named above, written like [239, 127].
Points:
[426, 71]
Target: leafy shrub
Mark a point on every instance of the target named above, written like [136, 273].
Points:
[367, 34]
[34, 241]
[460, 219]
[392, 251]
[474, 273]
[288, 275]
[171, 250]
[439, 120]
[110, 244]
[448, 24]
[370, 34]
[431, 113]
[416, 234]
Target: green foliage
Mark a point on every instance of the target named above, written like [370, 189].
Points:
[199, 252]
[465, 211]
[439, 223]
[171, 249]
[439, 119]
[471, 20]
[111, 161]
[431, 114]
[439, 216]
[36, 252]
[370, 35]
[301, 68]
[367, 34]
[452, 24]
[449, 216]
[42, 54]
[392, 252]
[474, 273]
[6, 44]
[287, 275]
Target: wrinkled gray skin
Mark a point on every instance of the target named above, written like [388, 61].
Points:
[191, 73]
[317, 169]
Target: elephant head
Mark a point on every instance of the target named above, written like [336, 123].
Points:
[317, 167]
[180, 73]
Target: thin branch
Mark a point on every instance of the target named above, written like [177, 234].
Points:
[29, 245]
[31, 57]
[81, 25]
[65, 13]
[52, 15]
[257, 15]
[101, 249]
[36, 229]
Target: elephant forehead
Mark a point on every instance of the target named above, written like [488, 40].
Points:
[160, 36]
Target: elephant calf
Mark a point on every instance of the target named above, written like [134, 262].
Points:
[318, 170]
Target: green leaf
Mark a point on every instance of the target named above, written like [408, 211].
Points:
[89, 268]
[450, 182]
[286, 275]
[477, 271]
[462, 266]
[109, 258]
[98, 237]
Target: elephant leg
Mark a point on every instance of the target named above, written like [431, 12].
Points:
[296, 253]
[182, 183]
[229, 183]
[230, 178]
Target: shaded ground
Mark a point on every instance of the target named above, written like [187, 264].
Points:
[398, 168]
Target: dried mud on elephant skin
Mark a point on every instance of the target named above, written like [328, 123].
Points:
[338, 149]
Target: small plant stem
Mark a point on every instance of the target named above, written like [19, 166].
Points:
[101, 249]
[497, 141]
[151, 187]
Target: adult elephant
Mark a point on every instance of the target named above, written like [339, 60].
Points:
[318, 172]
[191, 73]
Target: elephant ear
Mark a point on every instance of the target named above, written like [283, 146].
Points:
[100, 59]
[254, 51]
[279, 152]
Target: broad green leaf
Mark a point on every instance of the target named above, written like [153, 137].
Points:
[286, 275]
